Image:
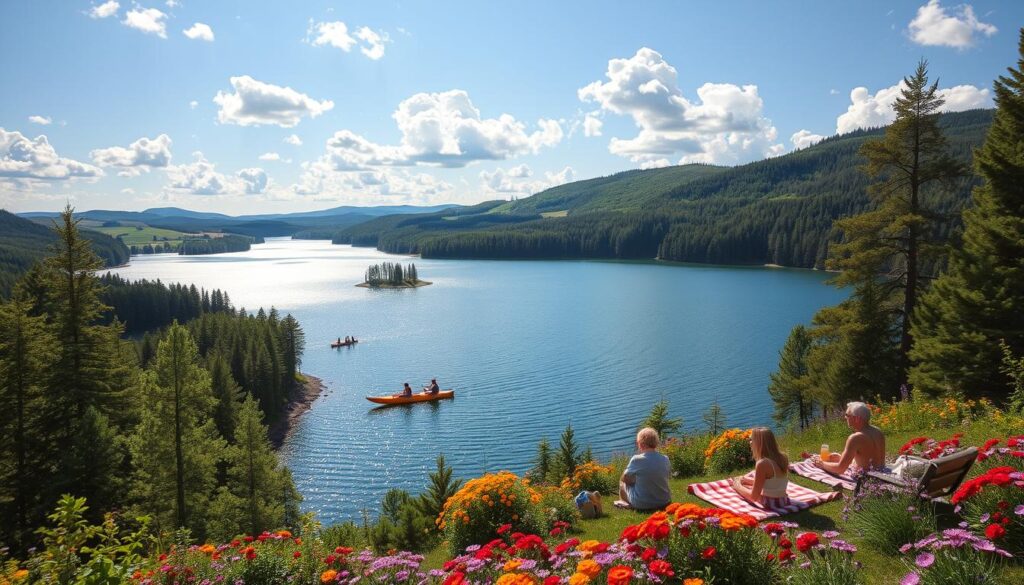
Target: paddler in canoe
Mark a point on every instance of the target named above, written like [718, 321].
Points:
[406, 396]
[406, 392]
[433, 388]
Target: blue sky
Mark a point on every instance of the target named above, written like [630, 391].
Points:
[252, 107]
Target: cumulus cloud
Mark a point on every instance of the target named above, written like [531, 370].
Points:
[193, 104]
[199, 177]
[293, 139]
[725, 125]
[592, 125]
[41, 120]
[255, 102]
[442, 129]
[336, 34]
[321, 182]
[517, 181]
[270, 156]
[104, 10]
[934, 26]
[867, 110]
[24, 158]
[148, 20]
[254, 180]
[142, 155]
[373, 42]
[199, 31]
[805, 138]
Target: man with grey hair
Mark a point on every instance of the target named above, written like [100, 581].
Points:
[644, 483]
[865, 448]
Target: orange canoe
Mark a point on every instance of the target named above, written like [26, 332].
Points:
[418, 397]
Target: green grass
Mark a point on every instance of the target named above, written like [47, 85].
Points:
[131, 236]
[878, 567]
[561, 213]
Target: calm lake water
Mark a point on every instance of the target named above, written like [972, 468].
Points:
[528, 346]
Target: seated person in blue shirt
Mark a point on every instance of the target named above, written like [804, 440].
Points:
[433, 388]
[644, 483]
[406, 391]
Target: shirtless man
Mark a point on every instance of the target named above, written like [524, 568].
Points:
[865, 448]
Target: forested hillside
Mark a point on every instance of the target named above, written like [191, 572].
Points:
[777, 210]
[23, 242]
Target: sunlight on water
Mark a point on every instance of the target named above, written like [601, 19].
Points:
[528, 346]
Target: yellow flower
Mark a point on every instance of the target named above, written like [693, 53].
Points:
[20, 574]
[512, 565]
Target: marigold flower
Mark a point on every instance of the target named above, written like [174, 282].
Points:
[588, 567]
[328, 576]
[619, 575]
[579, 579]
[693, 581]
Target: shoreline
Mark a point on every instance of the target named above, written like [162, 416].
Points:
[296, 407]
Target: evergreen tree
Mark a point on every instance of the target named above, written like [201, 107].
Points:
[543, 463]
[253, 474]
[392, 503]
[714, 418]
[659, 420]
[979, 300]
[568, 453]
[25, 445]
[855, 355]
[790, 385]
[228, 395]
[175, 447]
[441, 487]
[911, 162]
[293, 343]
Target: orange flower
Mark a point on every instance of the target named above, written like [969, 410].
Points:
[694, 581]
[512, 565]
[588, 568]
[284, 534]
[328, 576]
[515, 579]
[208, 549]
[579, 579]
[619, 575]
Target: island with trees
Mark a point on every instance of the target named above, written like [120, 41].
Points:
[392, 275]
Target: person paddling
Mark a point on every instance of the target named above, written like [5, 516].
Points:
[406, 391]
[433, 388]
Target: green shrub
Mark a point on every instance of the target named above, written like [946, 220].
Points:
[686, 455]
[729, 452]
[474, 514]
[558, 506]
[344, 534]
[887, 518]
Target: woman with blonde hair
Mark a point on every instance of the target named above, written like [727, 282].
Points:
[768, 487]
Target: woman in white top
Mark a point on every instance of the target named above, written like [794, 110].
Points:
[768, 487]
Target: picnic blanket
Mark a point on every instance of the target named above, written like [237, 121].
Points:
[810, 471]
[721, 494]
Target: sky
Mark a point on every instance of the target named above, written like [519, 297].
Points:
[247, 107]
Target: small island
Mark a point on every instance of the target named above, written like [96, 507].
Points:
[392, 275]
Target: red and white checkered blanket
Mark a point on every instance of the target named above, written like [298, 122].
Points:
[720, 494]
[810, 471]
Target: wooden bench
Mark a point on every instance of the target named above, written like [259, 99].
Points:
[941, 477]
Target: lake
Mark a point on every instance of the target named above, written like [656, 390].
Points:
[528, 346]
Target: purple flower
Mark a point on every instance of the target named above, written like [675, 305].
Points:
[805, 565]
[984, 518]
[924, 560]
[1019, 510]
[910, 579]
[907, 547]
[830, 534]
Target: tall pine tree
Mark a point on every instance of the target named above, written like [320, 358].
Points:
[979, 300]
[911, 164]
[790, 386]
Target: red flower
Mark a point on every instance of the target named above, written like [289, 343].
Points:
[553, 580]
[785, 554]
[994, 532]
[989, 444]
[773, 529]
[342, 550]
[457, 578]
[785, 542]
[648, 554]
[806, 541]
[296, 554]
[504, 528]
[661, 531]
[631, 533]
[555, 532]
[770, 557]
[909, 445]
[661, 568]
[708, 553]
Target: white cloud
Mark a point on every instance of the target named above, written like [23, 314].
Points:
[255, 102]
[270, 156]
[592, 125]
[147, 20]
[805, 138]
[104, 10]
[193, 104]
[41, 120]
[370, 187]
[254, 180]
[128, 191]
[198, 178]
[336, 34]
[867, 110]
[199, 31]
[172, 3]
[726, 125]
[517, 181]
[23, 158]
[934, 26]
[442, 129]
[142, 155]
[293, 139]
[374, 42]
[833, 92]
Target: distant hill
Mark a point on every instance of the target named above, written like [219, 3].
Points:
[24, 242]
[779, 210]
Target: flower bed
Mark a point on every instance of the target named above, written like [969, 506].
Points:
[993, 505]
[954, 556]
[483, 504]
[729, 451]
[591, 476]
[928, 448]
